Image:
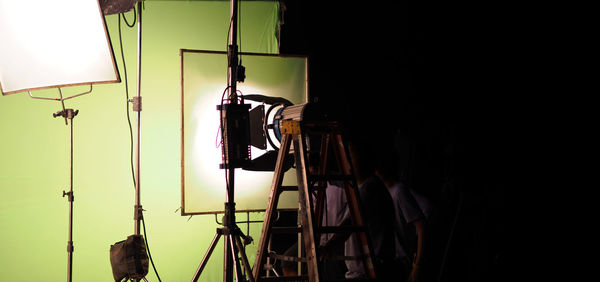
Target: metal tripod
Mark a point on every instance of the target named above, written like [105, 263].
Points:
[234, 249]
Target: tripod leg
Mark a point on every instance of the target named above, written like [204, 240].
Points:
[247, 268]
[234, 254]
[207, 255]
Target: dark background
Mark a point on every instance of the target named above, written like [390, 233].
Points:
[435, 72]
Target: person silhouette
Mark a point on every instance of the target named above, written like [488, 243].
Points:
[411, 212]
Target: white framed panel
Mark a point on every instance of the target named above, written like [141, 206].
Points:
[203, 81]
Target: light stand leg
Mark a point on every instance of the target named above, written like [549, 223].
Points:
[235, 251]
[244, 258]
[207, 255]
[236, 263]
[229, 222]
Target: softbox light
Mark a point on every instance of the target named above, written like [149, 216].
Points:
[46, 44]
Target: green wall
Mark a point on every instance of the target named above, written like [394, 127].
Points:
[34, 156]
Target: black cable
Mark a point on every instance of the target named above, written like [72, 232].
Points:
[134, 18]
[228, 58]
[127, 101]
[148, 249]
[223, 150]
[228, 32]
[131, 134]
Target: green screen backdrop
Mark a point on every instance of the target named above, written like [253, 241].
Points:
[34, 156]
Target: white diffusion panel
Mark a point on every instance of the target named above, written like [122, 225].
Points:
[52, 44]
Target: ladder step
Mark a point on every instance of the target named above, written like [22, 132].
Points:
[285, 230]
[353, 280]
[288, 188]
[303, 278]
[340, 229]
[287, 258]
[322, 229]
[332, 177]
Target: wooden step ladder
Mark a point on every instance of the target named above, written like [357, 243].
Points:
[310, 211]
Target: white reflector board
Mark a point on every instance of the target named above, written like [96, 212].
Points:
[54, 43]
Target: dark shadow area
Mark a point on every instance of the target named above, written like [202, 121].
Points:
[431, 72]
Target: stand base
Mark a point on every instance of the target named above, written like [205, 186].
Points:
[233, 243]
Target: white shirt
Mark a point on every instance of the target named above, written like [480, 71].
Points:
[409, 206]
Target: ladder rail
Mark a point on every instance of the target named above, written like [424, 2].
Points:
[342, 154]
[322, 193]
[306, 209]
[271, 205]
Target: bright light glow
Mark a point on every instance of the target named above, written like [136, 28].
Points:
[206, 151]
[203, 81]
[53, 43]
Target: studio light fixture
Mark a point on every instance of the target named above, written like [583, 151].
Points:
[49, 44]
[54, 44]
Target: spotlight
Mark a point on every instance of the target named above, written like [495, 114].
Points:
[266, 126]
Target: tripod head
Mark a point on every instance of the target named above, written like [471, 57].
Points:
[67, 114]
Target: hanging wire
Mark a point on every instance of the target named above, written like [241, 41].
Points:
[125, 19]
[127, 99]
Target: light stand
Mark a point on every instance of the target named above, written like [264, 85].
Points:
[129, 258]
[69, 114]
[137, 107]
[234, 130]
[78, 58]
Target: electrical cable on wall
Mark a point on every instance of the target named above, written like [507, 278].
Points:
[131, 129]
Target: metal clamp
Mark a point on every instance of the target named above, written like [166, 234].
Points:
[137, 103]
[71, 198]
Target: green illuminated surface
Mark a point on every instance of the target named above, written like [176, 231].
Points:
[34, 157]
